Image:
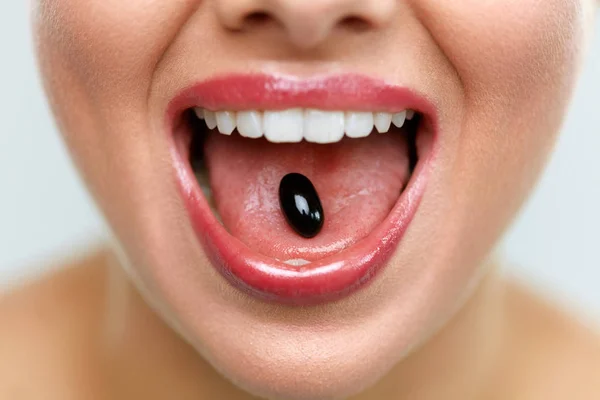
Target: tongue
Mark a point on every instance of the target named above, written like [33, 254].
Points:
[358, 182]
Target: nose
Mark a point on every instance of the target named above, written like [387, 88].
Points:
[305, 23]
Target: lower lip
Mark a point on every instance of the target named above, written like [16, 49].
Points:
[326, 280]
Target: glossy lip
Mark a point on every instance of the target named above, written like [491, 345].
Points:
[335, 276]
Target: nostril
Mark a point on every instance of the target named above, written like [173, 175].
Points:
[355, 23]
[257, 18]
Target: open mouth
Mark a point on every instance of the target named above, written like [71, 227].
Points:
[300, 191]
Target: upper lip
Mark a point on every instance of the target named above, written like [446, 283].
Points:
[334, 276]
[348, 92]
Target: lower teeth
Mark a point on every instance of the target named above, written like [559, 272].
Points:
[202, 180]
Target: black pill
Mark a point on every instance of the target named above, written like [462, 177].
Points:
[301, 205]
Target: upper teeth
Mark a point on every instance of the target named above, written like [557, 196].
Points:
[293, 125]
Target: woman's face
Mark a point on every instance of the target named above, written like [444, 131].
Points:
[489, 81]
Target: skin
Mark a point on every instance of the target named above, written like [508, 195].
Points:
[157, 321]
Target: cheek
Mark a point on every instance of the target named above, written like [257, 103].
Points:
[516, 61]
[507, 45]
[111, 45]
[97, 59]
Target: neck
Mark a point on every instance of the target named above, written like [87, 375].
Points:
[146, 359]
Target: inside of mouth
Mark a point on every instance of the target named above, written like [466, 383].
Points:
[357, 182]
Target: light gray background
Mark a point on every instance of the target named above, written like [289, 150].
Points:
[44, 211]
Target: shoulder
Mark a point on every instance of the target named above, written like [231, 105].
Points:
[556, 355]
[47, 329]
